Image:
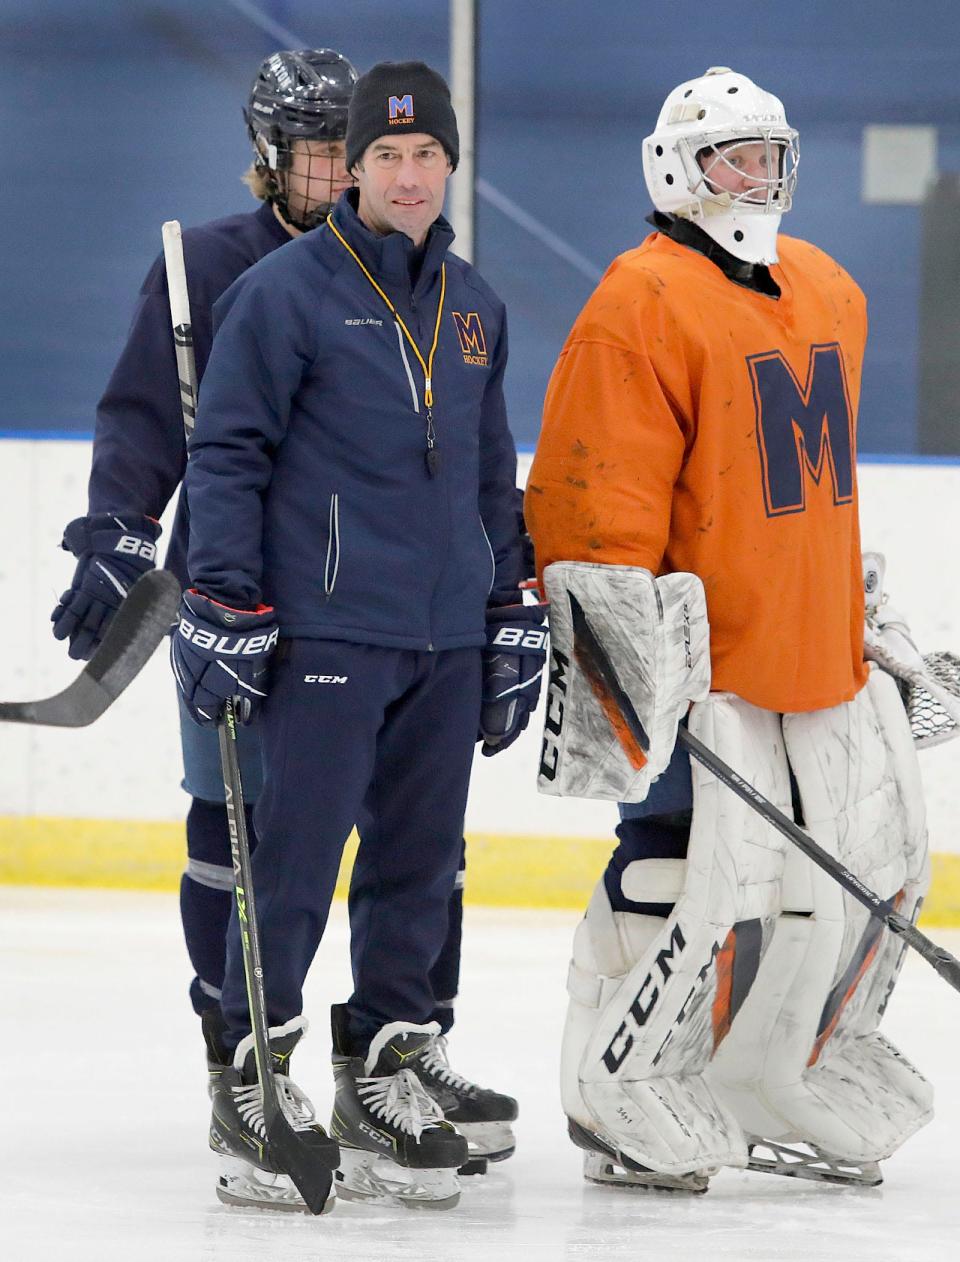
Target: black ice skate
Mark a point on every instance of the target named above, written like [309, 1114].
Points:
[395, 1146]
[248, 1176]
[481, 1116]
[603, 1163]
[805, 1161]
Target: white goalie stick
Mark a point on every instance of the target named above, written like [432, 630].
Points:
[600, 671]
[290, 1150]
[143, 619]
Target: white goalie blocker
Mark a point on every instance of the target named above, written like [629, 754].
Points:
[656, 632]
[749, 1014]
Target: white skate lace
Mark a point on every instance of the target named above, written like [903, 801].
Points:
[294, 1104]
[401, 1101]
[434, 1058]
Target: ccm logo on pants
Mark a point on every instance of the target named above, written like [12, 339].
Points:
[325, 679]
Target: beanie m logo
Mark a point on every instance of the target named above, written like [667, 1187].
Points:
[473, 344]
[400, 108]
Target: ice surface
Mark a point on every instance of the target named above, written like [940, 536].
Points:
[103, 1142]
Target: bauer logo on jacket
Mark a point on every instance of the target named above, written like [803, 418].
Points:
[400, 108]
[473, 344]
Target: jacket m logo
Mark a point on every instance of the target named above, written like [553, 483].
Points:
[400, 108]
[473, 344]
[802, 429]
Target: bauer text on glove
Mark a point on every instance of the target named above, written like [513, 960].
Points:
[513, 662]
[112, 551]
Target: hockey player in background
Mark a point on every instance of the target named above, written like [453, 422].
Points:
[352, 488]
[699, 441]
[296, 118]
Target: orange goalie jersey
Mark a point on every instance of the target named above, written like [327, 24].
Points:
[693, 424]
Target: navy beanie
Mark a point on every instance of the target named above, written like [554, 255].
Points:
[397, 97]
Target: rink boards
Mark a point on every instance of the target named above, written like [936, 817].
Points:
[103, 807]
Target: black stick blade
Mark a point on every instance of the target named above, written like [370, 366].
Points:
[139, 625]
[307, 1165]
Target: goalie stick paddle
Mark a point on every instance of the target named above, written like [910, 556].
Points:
[143, 619]
[596, 663]
[290, 1150]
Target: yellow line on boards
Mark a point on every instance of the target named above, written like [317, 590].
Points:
[502, 870]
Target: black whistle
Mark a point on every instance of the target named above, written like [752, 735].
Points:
[432, 457]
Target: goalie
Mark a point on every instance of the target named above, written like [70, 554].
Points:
[697, 461]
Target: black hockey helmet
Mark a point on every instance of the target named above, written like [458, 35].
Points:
[301, 95]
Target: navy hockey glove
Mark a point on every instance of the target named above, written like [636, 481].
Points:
[218, 653]
[113, 552]
[513, 663]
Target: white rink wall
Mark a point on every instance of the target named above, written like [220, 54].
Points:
[127, 766]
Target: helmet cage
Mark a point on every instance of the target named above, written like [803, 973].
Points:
[299, 96]
[308, 207]
[766, 195]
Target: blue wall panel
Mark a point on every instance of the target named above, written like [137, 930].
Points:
[119, 114]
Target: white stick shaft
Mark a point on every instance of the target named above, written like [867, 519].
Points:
[182, 327]
[463, 55]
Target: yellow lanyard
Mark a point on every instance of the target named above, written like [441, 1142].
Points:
[426, 365]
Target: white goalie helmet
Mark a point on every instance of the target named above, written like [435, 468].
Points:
[703, 126]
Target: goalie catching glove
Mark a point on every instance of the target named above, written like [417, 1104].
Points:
[513, 663]
[112, 553]
[218, 653]
[929, 683]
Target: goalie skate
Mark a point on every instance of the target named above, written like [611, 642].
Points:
[395, 1146]
[482, 1117]
[809, 1162]
[248, 1176]
[604, 1164]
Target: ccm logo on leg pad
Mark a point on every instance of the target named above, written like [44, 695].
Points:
[325, 679]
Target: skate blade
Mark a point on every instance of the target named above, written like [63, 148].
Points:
[244, 1186]
[493, 1141]
[767, 1157]
[476, 1165]
[376, 1180]
[604, 1171]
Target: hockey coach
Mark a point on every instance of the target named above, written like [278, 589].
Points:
[351, 492]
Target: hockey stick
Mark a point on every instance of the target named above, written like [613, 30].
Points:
[143, 619]
[596, 663]
[182, 326]
[290, 1152]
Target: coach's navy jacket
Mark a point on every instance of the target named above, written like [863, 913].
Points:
[307, 481]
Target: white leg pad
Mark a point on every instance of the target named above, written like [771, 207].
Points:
[652, 998]
[804, 1061]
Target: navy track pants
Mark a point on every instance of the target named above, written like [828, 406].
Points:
[381, 738]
